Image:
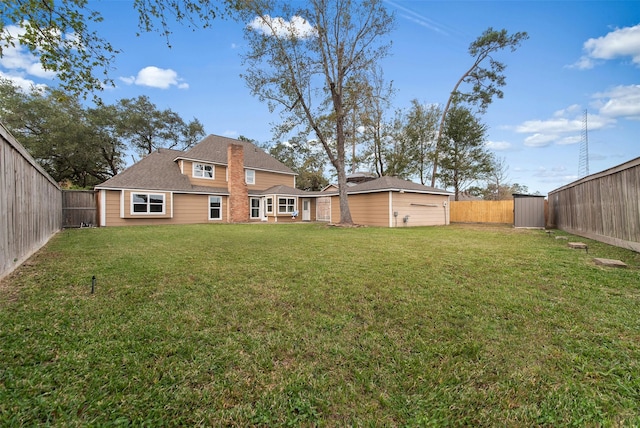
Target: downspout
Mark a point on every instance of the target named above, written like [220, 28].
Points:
[391, 209]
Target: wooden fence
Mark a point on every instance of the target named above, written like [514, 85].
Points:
[481, 211]
[603, 206]
[30, 204]
[79, 208]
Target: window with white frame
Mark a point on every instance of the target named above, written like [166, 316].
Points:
[255, 208]
[286, 205]
[249, 176]
[269, 206]
[215, 207]
[202, 170]
[147, 203]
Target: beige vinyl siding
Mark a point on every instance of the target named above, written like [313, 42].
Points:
[374, 209]
[188, 209]
[265, 179]
[219, 175]
[422, 209]
[371, 209]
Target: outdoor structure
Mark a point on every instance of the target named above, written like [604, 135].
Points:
[30, 204]
[222, 180]
[392, 202]
[219, 180]
[604, 206]
[528, 211]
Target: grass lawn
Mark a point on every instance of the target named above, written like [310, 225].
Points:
[305, 325]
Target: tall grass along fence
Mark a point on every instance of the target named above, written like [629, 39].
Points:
[481, 211]
[30, 204]
[603, 206]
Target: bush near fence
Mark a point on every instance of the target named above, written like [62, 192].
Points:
[481, 211]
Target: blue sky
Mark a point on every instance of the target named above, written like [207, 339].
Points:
[580, 56]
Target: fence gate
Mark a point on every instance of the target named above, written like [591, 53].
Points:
[79, 208]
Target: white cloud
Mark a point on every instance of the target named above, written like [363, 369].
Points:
[565, 127]
[573, 139]
[621, 101]
[21, 82]
[539, 140]
[297, 27]
[19, 61]
[555, 174]
[620, 43]
[555, 125]
[155, 77]
[498, 145]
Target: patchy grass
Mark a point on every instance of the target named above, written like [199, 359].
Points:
[309, 325]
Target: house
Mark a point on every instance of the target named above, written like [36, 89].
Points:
[219, 180]
[223, 180]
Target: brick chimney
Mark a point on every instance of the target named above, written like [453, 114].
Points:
[238, 191]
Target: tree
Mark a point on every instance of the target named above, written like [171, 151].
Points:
[370, 122]
[485, 82]
[464, 156]
[103, 120]
[146, 128]
[60, 34]
[420, 130]
[309, 164]
[403, 147]
[71, 144]
[311, 66]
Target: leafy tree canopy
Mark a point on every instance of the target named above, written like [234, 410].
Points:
[86, 146]
[464, 157]
[308, 60]
[61, 34]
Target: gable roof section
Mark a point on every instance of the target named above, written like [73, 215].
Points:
[156, 171]
[289, 191]
[213, 149]
[394, 184]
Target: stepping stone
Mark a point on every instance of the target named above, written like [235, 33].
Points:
[610, 263]
[562, 237]
[579, 246]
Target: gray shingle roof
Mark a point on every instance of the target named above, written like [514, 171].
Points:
[286, 190]
[160, 171]
[213, 148]
[386, 183]
[156, 171]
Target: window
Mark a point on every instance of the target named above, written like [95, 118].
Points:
[255, 207]
[286, 205]
[145, 203]
[269, 206]
[203, 171]
[249, 176]
[215, 207]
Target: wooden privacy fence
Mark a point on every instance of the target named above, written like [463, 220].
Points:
[79, 208]
[30, 204]
[481, 211]
[604, 206]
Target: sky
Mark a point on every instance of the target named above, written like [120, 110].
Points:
[579, 70]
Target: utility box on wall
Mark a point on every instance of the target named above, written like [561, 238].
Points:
[528, 211]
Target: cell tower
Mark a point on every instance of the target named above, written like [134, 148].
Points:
[583, 163]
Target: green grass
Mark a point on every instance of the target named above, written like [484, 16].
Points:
[307, 325]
